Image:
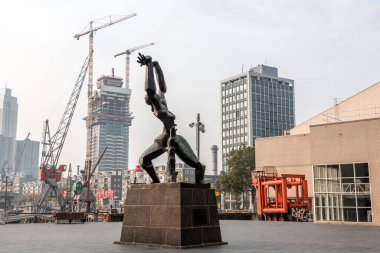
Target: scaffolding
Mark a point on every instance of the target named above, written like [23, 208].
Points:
[110, 122]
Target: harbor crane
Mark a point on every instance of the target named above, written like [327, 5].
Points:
[127, 53]
[52, 145]
[91, 30]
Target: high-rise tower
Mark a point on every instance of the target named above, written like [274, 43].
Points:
[256, 103]
[29, 160]
[8, 126]
[111, 122]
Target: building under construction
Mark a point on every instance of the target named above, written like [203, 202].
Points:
[110, 123]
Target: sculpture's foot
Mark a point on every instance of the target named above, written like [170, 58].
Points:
[152, 173]
[200, 181]
[200, 174]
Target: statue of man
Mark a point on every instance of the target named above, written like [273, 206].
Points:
[156, 99]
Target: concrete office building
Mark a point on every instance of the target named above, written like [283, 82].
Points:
[8, 126]
[256, 103]
[28, 165]
[112, 120]
[339, 152]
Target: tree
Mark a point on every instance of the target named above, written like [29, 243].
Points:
[237, 179]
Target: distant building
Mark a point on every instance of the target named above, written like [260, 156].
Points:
[105, 181]
[256, 103]
[185, 174]
[28, 163]
[32, 188]
[19, 181]
[8, 126]
[111, 123]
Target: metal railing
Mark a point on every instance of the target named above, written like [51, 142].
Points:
[356, 187]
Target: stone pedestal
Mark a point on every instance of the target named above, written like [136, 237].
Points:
[171, 215]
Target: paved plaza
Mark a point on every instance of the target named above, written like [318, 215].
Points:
[242, 236]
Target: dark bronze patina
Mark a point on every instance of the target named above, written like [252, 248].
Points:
[168, 141]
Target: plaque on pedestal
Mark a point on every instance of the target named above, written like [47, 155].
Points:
[171, 215]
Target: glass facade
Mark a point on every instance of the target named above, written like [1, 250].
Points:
[111, 124]
[8, 126]
[272, 106]
[28, 163]
[255, 105]
[342, 192]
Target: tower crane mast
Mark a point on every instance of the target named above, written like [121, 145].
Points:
[91, 32]
[127, 53]
[20, 154]
[52, 145]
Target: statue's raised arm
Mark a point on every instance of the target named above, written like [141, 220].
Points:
[176, 143]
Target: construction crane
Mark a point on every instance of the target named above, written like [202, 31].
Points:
[9, 170]
[91, 32]
[20, 154]
[52, 145]
[127, 53]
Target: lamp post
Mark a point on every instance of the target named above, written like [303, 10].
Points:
[199, 127]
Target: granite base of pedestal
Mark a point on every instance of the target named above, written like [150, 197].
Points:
[171, 215]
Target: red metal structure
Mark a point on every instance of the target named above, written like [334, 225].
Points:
[272, 190]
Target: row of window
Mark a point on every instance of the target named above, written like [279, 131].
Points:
[341, 170]
[227, 149]
[237, 114]
[265, 106]
[273, 93]
[342, 192]
[233, 107]
[235, 86]
[239, 139]
[234, 132]
[271, 99]
[234, 97]
[272, 125]
[272, 83]
[235, 124]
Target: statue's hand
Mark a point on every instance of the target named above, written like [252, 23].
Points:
[143, 60]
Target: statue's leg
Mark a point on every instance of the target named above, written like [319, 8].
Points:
[154, 151]
[186, 154]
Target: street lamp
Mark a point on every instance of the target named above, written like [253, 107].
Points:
[199, 127]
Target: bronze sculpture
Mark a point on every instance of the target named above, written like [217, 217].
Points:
[168, 140]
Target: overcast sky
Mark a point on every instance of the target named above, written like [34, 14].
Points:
[330, 48]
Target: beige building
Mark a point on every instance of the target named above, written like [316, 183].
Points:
[339, 152]
[32, 188]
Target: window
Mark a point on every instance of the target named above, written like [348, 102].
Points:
[342, 192]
